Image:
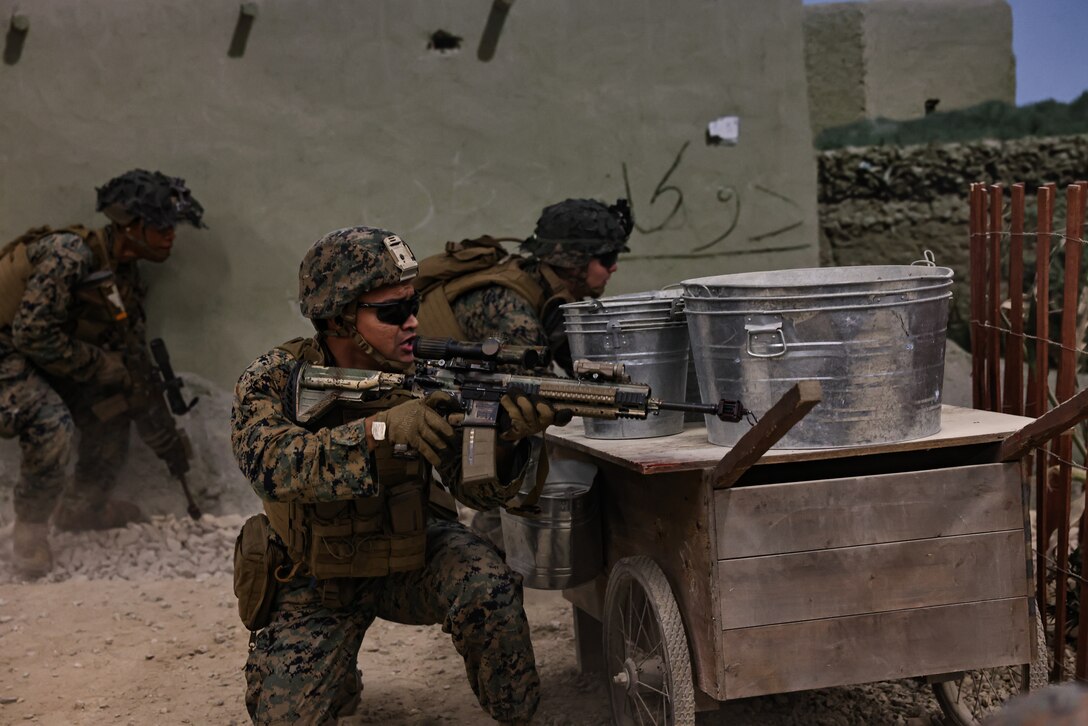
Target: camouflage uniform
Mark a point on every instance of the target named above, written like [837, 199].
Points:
[567, 236]
[69, 310]
[302, 664]
[45, 374]
[496, 311]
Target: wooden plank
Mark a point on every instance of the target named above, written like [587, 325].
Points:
[775, 424]
[667, 518]
[876, 647]
[588, 642]
[691, 450]
[1053, 422]
[871, 579]
[589, 596]
[795, 517]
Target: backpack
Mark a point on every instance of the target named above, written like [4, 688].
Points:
[464, 266]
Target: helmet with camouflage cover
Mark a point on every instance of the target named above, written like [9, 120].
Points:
[572, 232]
[151, 197]
[343, 265]
[346, 263]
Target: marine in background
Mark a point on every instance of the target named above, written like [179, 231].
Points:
[474, 290]
[73, 355]
[346, 535]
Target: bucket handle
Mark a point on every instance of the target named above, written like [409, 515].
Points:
[756, 328]
[928, 259]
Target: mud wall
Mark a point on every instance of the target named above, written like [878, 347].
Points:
[339, 113]
[886, 58]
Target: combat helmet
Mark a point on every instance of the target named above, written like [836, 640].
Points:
[341, 266]
[572, 232]
[151, 197]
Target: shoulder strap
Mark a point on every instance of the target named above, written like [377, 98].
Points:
[307, 350]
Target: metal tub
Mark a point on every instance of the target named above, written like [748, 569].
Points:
[648, 334]
[561, 546]
[873, 336]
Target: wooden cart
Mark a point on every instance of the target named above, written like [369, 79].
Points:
[816, 568]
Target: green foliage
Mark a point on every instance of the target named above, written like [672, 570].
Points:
[990, 120]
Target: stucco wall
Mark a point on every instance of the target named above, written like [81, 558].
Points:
[886, 58]
[338, 114]
[958, 51]
[835, 59]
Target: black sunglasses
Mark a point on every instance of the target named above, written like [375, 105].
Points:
[608, 259]
[395, 312]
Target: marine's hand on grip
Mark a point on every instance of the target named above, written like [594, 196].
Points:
[418, 425]
[112, 372]
[529, 414]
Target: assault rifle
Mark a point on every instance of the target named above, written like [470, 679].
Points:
[170, 383]
[469, 373]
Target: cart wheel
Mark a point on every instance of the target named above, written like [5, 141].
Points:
[977, 694]
[645, 648]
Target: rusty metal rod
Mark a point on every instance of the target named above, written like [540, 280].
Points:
[1041, 400]
[1077, 225]
[1066, 383]
[976, 276]
[993, 297]
[1014, 343]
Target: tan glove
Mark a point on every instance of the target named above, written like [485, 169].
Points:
[529, 415]
[112, 372]
[418, 425]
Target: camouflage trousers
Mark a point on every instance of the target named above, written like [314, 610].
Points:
[32, 410]
[302, 667]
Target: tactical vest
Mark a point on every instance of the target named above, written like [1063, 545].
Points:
[363, 537]
[98, 304]
[469, 265]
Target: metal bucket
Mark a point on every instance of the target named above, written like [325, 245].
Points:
[646, 332]
[561, 546]
[873, 336]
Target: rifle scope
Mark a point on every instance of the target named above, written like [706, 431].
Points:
[490, 350]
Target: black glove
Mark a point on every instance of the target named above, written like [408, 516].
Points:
[529, 415]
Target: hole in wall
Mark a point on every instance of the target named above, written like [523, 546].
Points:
[444, 42]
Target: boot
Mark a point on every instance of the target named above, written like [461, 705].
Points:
[114, 513]
[30, 549]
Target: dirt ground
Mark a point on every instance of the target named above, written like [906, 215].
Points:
[172, 651]
[139, 626]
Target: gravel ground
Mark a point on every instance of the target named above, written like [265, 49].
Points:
[138, 625]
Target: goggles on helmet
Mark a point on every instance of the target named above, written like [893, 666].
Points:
[394, 312]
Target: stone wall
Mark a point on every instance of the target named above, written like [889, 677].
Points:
[887, 205]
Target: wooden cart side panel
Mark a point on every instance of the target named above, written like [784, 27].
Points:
[871, 578]
[881, 646]
[666, 518]
[811, 515]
